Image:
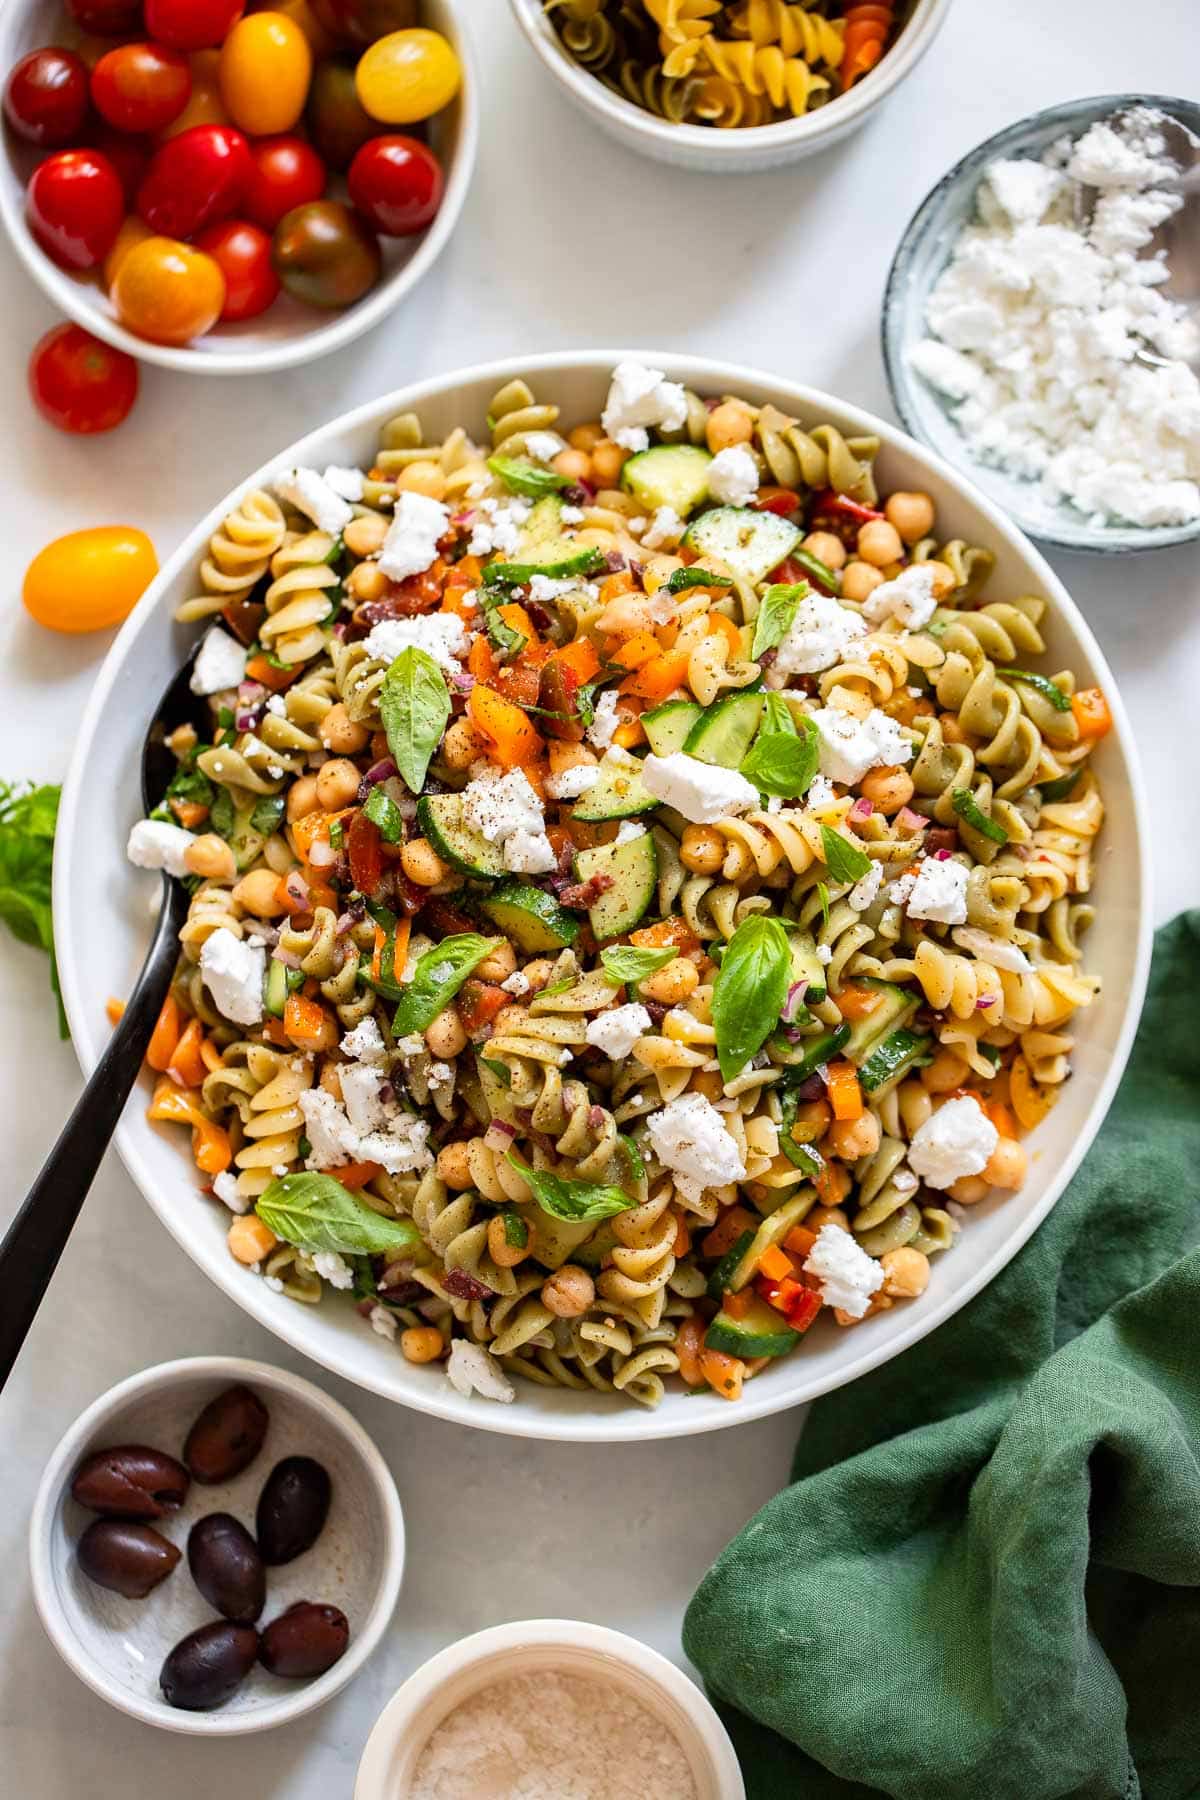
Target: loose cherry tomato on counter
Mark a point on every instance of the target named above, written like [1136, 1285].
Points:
[191, 24]
[195, 179]
[407, 75]
[243, 254]
[396, 183]
[129, 156]
[106, 18]
[287, 172]
[205, 105]
[133, 231]
[168, 292]
[74, 205]
[336, 122]
[325, 255]
[46, 97]
[80, 384]
[141, 87]
[360, 22]
[265, 69]
[88, 580]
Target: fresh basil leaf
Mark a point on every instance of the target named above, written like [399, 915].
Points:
[384, 814]
[844, 860]
[500, 1070]
[822, 893]
[749, 991]
[268, 814]
[971, 813]
[777, 717]
[315, 1212]
[523, 477]
[783, 763]
[585, 700]
[516, 1231]
[222, 814]
[502, 636]
[637, 1167]
[680, 580]
[437, 978]
[559, 987]
[775, 615]
[190, 783]
[414, 705]
[337, 834]
[226, 718]
[1041, 684]
[801, 1156]
[823, 578]
[569, 1199]
[628, 963]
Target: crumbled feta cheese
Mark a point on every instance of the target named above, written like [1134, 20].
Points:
[469, 1369]
[939, 891]
[572, 782]
[904, 1181]
[665, 528]
[529, 853]
[333, 1268]
[365, 1043]
[639, 397]
[543, 588]
[412, 1043]
[618, 1029]
[440, 635]
[627, 830]
[864, 892]
[225, 1187]
[312, 495]
[909, 597]
[497, 805]
[824, 953]
[271, 1281]
[278, 705]
[900, 890]
[401, 1149]
[233, 972]
[954, 1141]
[850, 746]
[543, 446]
[498, 526]
[700, 791]
[348, 484]
[848, 1276]
[819, 636]
[516, 984]
[153, 844]
[361, 1097]
[412, 537]
[820, 792]
[689, 1137]
[382, 1322]
[998, 951]
[220, 663]
[733, 476]
[603, 727]
[571, 515]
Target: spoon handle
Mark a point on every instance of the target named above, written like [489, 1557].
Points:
[37, 1236]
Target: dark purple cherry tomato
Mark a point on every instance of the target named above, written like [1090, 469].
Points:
[360, 22]
[141, 87]
[325, 255]
[396, 183]
[243, 254]
[195, 180]
[337, 122]
[74, 205]
[287, 172]
[191, 24]
[79, 383]
[46, 97]
[106, 18]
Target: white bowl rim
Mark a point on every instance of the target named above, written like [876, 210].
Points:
[731, 146]
[516, 1420]
[328, 334]
[52, 1487]
[394, 1724]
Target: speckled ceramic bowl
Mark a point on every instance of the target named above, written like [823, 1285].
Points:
[925, 249]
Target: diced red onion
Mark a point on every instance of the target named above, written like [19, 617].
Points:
[321, 854]
[381, 771]
[984, 1002]
[908, 820]
[461, 682]
[795, 998]
[941, 856]
[862, 808]
[596, 1118]
[499, 1136]
[288, 958]
[461, 520]
[297, 887]
[251, 693]
[345, 923]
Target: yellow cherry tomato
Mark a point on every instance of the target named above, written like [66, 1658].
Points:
[133, 231]
[168, 292]
[265, 69]
[89, 580]
[204, 106]
[406, 76]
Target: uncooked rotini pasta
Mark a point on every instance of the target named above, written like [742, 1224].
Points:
[640, 883]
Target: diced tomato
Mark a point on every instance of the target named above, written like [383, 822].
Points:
[365, 849]
[478, 1003]
[804, 1309]
[842, 506]
[788, 572]
[779, 500]
[520, 682]
[446, 919]
[667, 931]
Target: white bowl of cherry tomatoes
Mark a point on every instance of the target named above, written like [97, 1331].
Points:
[230, 189]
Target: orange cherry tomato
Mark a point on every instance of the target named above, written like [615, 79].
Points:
[168, 292]
[205, 106]
[407, 75]
[89, 580]
[265, 69]
[133, 231]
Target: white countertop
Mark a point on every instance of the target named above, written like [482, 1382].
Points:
[567, 241]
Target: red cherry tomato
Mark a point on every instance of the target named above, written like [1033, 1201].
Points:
[129, 156]
[287, 172]
[46, 97]
[242, 252]
[396, 183]
[195, 179]
[106, 18]
[141, 87]
[74, 206]
[191, 24]
[80, 384]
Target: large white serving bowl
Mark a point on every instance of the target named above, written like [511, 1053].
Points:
[101, 922]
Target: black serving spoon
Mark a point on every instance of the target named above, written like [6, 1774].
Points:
[37, 1236]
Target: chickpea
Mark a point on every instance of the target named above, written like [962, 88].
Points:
[858, 580]
[1006, 1166]
[337, 783]
[568, 1292]
[249, 1239]
[702, 849]
[422, 1344]
[364, 536]
[537, 973]
[969, 1190]
[461, 745]
[826, 548]
[728, 424]
[889, 788]
[446, 1037]
[672, 984]
[944, 579]
[852, 1138]
[422, 478]
[499, 965]
[258, 893]
[586, 437]
[576, 465]
[330, 1079]
[454, 1166]
[366, 581]
[817, 1216]
[511, 1018]
[564, 756]
[905, 1272]
[341, 734]
[422, 864]
[947, 1071]
[813, 1119]
[911, 514]
[210, 857]
[879, 543]
[302, 798]
[502, 1253]
[608, 459]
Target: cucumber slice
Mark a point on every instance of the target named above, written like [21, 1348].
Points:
[544, 548]
[761, 1331]
[533, 920]
[674, 475]
[771, 1232]
[632, 868]
[972, 814]
[896, 1007]
[440, 818]
[891, 1061]
[520, 476]
[748, 542]
[1054, 790]
[619, 793]
[721, 1280]
[818, 1052]
[275, 988]
[667, 726]
[725, 731]
[807, 966]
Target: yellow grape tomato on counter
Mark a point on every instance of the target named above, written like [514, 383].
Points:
[89, 580]
[408, 75]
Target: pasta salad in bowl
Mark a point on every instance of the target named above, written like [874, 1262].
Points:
[643, 927]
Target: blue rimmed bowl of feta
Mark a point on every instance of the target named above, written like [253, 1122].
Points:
[101, 916]
[1031, 335]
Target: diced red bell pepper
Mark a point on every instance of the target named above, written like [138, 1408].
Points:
[804, 1309]
[831, 504]
[478, 1003]
[788, 572]
[364, 846]
[779, 500]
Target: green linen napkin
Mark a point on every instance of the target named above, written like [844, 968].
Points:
[984, 1583]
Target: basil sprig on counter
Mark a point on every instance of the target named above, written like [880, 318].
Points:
[437, 978]
[629, 963]
[315, 1212]
[749, 991]
[784, 762]
[576, 1201]
[414, 705]
[844, 860]
[776, 614]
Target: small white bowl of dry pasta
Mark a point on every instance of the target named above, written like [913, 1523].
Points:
[668, 905]
[729, 87]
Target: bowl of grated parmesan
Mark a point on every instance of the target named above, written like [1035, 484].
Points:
[1032, 334]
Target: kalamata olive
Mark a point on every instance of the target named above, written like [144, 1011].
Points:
[226, 1437]
[326, 254]
[227, 1568]
[304, 1641]
[131, 1481]
[292, 1508]
[125, 1556]
[209, 1665]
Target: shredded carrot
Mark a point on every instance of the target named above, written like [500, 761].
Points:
[377, 954]
[115, 1010]
[400, 947]
[776, 1265]
[689, 1344]
[1091, 713]
[166, 1034]
[845, 1094]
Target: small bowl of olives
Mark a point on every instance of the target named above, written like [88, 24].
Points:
[216, 1546]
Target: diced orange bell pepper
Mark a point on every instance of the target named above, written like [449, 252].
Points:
[1091, 713]
[312, 828]
[736, 1306]
[638, 649]
[674, 931]
[629, 733]
[114, 1010]
[211, 1149]
[513, 739]
[190, 813]
[307, 1024]
[856, 1002]
[720, 626]
[845, 1094]
[724, 1374]
[727, 1230]
[615, 586]
[581, 658]
[166, 1034]
[481, 661]
[260, 670]
[800, 1240]
[1001, 1117]
[355, 1174]
[658, 677]
[776, 1265]
[187, 1066]
[689, 1345]
[683, 1237]
[517, 619]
